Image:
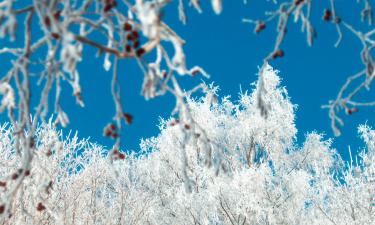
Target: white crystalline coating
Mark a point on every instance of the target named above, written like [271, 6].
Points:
[62, 119]
[8, 100]
[70, 55]
[8, 20]
[107, 62]
[179, 56]
[217, 6]
[196, 5]
[368, 136]
[148, 14]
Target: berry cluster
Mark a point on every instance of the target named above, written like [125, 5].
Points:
[133, 43]
[111, 131]
[118, 155]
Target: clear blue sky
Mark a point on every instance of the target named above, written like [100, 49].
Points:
[231, 53]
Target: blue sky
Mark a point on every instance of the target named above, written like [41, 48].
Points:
[231, 53]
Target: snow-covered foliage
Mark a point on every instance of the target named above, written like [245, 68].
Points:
[240, 169]
[51, 38]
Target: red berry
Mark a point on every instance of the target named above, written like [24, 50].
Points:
[128, 118]
[55, 35]
[277, 54]
[135, 34]
[40, 207]
[195, 72]
[14, 176]
[260, 26]
[109, 4]
[107, 7]
[127, 26]
[327, 15]
[130, 37]
[27, 173]
[47, 21]
[128, 48]
[57, 15]
[351, 111]
[3, 184]
[2, 209]
[140, 52]
[121, 156]
[297, 2]
[136, 44]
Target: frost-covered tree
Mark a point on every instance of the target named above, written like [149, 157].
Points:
[52, 41]
[195, 170]
[258, 175]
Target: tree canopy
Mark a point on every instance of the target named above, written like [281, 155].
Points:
[240, 169]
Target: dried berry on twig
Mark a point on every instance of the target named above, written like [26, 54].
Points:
[40, 207]
[127, 26]
[327, 15]
[109, 4]
[351, 110]
[128, 118]
[57, 15]
[2, 209]
[298, 2]
[140, 52]
[118, 155]
[259, 27]
[3, 184]
[277, 54]
[14, 176]
[128, 48]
